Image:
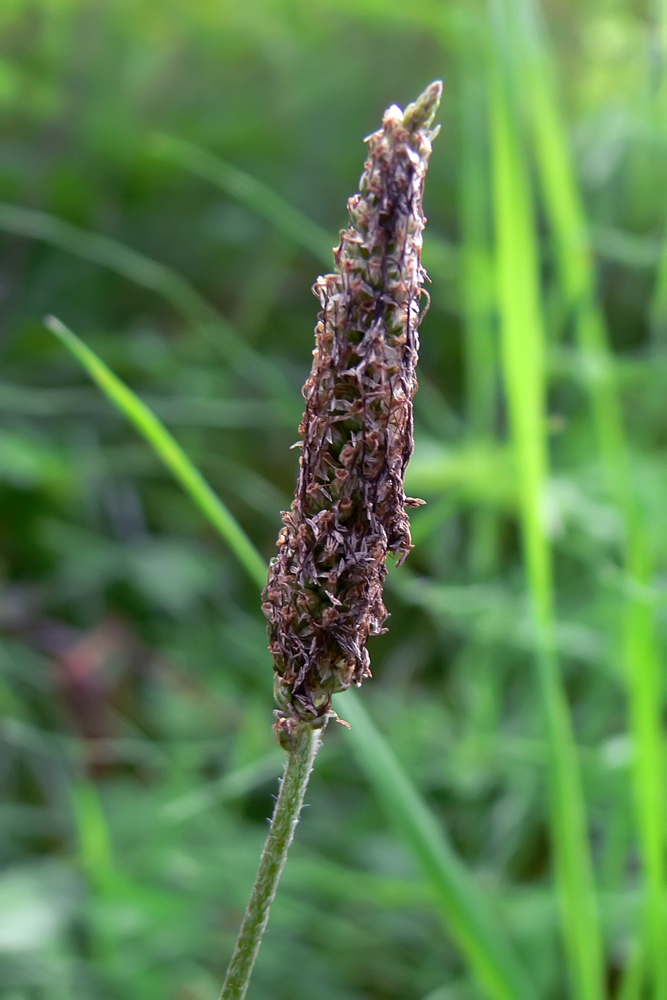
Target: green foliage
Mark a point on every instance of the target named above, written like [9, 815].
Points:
[168, 175]
[523, 350]
[462, 909]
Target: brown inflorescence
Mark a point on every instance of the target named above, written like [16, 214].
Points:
[323, 598]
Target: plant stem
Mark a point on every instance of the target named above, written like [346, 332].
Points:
[283, 824]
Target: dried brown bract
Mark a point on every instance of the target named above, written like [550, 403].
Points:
[324, 594]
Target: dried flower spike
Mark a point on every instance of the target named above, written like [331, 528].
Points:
[324, 594]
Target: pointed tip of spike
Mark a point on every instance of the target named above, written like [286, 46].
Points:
[420, 114]
[53, 324]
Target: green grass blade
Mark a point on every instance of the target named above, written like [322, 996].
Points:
[460, 902]
[259, 197]
[95, 851]
[632, 984]
[167, 448]
[157, 278]
[571, 238]
[522, 343]
[478, 299]
[640, 644]
[111, 254]
[480, 941]
[658, 307]
[231, 785]
[572, 241]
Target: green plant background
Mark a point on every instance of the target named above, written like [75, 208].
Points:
[172, 178]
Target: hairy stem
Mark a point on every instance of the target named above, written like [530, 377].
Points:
[283, 824]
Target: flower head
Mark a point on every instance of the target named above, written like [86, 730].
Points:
[323, 598]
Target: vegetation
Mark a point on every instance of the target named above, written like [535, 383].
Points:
[171, 181]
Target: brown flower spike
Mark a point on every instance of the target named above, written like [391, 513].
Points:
[323, 598]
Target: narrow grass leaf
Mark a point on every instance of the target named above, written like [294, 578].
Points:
[632, 985]
[109, 253]
[288, 220]
[574, 257]
[231, 785]
[524, 378]
[167, 448]
[478, 297]
[462, 906]
[163, 281]
[93, 833]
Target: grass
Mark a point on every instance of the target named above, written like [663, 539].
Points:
[462, 908]
[523, 353]
[639, 641]
[512, 732]
[155, 277]
[168, 450]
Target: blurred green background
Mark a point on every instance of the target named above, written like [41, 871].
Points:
[172, 178]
